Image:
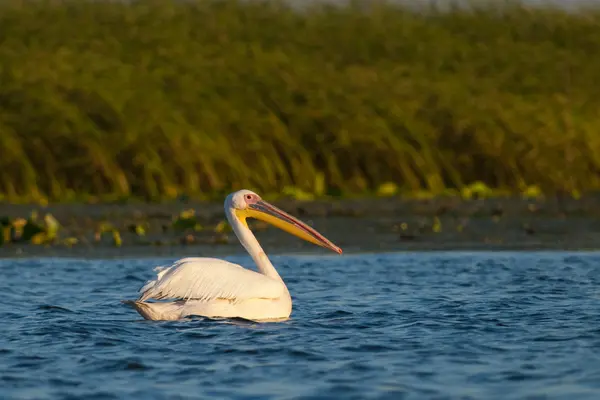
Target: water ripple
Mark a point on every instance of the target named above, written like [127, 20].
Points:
[411, 326]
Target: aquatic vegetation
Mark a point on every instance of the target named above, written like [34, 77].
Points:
[187, 220]
[437, 225]
[70, 241]
[112, 231]
[117, 241]
[5, 230]
[297, 193]
[139, 229]
[476, 190]
[533, 192]
[29, 229]
[223, 227]
[159, 100]
[387, 189]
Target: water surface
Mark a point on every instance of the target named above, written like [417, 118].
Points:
[368, 326]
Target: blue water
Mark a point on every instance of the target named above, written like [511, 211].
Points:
[372, 326]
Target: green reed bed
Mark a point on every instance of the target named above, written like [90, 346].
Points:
[158, 99]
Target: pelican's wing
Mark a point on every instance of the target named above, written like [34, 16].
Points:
[207, 279]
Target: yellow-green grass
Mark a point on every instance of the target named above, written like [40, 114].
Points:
[155, 99]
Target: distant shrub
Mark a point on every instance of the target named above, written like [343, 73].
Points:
[157, 99]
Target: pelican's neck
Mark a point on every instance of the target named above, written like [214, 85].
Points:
[250, 243]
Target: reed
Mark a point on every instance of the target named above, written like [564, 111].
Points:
[156, 99]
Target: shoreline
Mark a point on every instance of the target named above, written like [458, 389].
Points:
[356, 225]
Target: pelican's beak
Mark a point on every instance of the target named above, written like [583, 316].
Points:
[279, 218]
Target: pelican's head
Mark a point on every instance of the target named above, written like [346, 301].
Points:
[247, 204]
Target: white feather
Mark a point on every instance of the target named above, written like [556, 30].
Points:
[208, 279]
[161, 271]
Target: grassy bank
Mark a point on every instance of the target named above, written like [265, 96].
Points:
[159, 99]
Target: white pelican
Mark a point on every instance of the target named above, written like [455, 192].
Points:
[216, 288]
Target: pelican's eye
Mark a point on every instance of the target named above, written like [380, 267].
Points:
[251, 198]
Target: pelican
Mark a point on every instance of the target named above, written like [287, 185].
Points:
[216, 288]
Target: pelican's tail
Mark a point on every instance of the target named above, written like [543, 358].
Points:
[156, 311]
